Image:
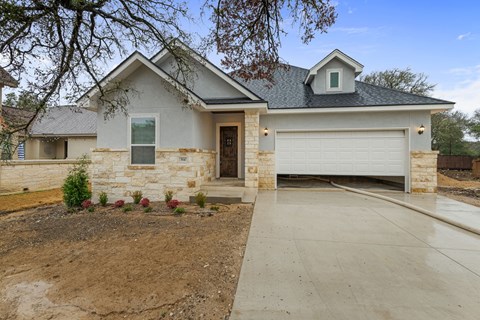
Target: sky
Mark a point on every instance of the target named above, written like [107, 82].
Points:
[439, 38]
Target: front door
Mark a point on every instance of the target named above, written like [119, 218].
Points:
[229, 152]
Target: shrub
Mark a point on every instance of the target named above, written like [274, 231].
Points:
[168, 195]
[127, 208]
[145, 202]
[147, 209]
[179, 210]
[137, 196]
[87, 204]
[103, 198]
[201, 199]
[75, 187]
[172, 204]
[215, 208]
[91, 209]
[119, 203]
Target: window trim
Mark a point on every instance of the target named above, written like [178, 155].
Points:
[340, 79]
[129, 133]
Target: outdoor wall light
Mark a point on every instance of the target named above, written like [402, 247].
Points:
[421, 129]
[265, 131]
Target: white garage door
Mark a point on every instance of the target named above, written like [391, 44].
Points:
[356, 153]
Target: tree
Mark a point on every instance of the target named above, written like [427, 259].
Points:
[448, 132]
[401, 79]
[24, 100]
[474, 125]
[60, 46]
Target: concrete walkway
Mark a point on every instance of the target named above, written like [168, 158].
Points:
[339, 255]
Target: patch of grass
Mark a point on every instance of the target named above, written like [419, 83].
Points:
[148, 209]
[127, 208]
[179, 210]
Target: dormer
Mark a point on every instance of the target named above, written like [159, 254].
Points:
[335, 73]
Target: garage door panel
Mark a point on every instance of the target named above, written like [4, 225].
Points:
[342, 153]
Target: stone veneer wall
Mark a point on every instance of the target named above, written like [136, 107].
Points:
[33, 175]
[266, 170]
[252, 119]
[423, 171]
[180, 170]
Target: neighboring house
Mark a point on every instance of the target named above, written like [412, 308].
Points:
[13, 147]
[63, 132]
[7, 141]
[316, 121]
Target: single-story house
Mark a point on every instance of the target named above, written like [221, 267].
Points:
[13, 147]
[62, 132]
[311, 121]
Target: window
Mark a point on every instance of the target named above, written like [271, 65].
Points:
[334, 80]
[143, 139]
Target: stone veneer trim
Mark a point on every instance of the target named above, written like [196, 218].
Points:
[423, 171]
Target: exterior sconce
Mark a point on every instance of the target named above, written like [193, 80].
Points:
[265, 131]
[421, 129]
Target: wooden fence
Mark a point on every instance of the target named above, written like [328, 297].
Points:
[454, 162]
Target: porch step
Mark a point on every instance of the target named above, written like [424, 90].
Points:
[227, 195]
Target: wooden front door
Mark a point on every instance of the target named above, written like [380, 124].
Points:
[229, 152]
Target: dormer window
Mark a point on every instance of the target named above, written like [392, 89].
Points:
[334, 79]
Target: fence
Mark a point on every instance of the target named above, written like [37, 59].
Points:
[454, 162]
[33, 175]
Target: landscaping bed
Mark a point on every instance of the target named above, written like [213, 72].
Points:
[459, 185]
[111, 264]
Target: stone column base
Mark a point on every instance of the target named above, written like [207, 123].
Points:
[423, 171]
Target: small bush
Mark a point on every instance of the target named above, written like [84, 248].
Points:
[119, 203]
[179, 210]
[127, 208]
[87, 204]
[145, 202]
[147, 209]
[137, 196]
[91, 209]
[75, 187]
[201, 199]
[215, 208]
[168, 195]
[172, 204]
[103, 198]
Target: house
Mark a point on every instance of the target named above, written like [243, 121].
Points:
[63, 132]
[317, 121]
[13, 147]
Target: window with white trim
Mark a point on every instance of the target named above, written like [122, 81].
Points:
[143, 139]
[334, 79]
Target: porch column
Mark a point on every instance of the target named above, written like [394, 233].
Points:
[252, 120]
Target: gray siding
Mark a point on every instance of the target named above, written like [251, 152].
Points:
[180, 126]
[319, 84]
[359, 120]
[204, 82]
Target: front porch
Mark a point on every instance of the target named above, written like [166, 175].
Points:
[227, 191]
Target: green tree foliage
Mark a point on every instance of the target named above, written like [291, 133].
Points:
[75, 188]
[401, 79]
[24, 100]
[474, 125]
[448, 132]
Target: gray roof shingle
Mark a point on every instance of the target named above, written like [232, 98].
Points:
[66, 121]
[289, 92]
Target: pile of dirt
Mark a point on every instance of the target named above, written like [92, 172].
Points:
[444, 180]
[464, 190]
[112, 264]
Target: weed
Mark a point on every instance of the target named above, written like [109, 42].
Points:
[91, 209]
[127, 208]
[179, 210]
[201, 199]
[168, 195]
[148, 209]
[215, 208]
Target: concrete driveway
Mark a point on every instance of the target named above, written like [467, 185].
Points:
[339, 255]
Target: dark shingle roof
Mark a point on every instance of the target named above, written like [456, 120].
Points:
[16, 118]
[6, 79]
[66, 121]
[289, 92]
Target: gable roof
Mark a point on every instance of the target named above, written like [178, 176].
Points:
[335, 54]
[210, 66]
[6, 79]
[290, 92]
[129, 65]
[65, 121]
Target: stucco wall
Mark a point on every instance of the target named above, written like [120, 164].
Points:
[77, 147]
[319, 84]
[179, 126]
[204, 82]
[34, 175]
[359, 120]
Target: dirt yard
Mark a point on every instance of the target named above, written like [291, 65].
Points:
[459, 185]
[15, 202]
[111, 264]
